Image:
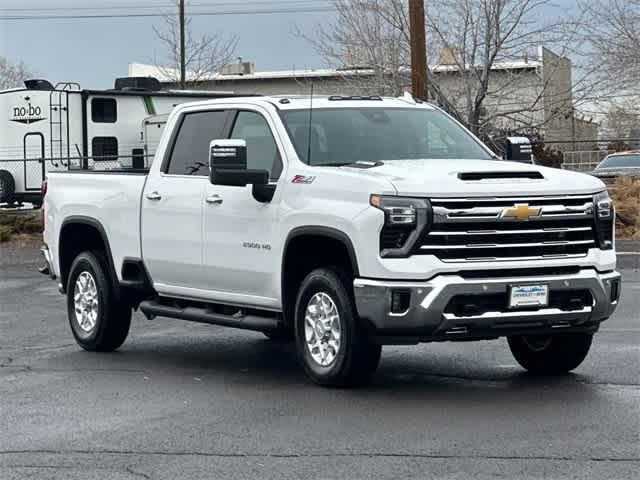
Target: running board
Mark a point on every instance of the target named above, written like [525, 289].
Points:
[152, 308]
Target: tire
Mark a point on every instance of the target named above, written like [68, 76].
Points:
[7, 187]
[325, 292]
[551, 354]
[104, 325]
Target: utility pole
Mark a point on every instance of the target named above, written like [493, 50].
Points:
[418, 50]
[182, 57]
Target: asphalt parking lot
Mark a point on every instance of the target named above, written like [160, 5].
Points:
[182, 400]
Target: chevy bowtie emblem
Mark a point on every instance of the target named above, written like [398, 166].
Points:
[521, 211]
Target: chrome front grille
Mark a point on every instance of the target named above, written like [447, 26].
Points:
[476, 230]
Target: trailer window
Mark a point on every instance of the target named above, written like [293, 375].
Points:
[104, 110]
[104, 149]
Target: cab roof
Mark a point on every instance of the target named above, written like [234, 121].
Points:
[297, 102]
[293, 102]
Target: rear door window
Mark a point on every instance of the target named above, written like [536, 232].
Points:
[190, 152]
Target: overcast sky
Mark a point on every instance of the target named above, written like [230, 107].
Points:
[95, 51]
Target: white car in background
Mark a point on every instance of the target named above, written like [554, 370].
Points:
[619, 165]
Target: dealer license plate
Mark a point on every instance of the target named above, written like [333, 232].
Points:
[529, 296]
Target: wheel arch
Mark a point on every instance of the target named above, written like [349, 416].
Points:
[77, 234]
[339, 250]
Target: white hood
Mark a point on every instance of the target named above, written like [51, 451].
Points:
[439, 178]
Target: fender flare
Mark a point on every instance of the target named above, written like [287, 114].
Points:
[92, 222]
[319, 231]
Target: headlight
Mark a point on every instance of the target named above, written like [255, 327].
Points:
[604, 213]
[405, 219]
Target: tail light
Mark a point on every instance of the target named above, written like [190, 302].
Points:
[43, 192]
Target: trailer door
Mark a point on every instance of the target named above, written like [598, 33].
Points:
[33, 161]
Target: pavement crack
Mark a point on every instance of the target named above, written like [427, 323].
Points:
[29, 368]
[138, 474]
[364, 454]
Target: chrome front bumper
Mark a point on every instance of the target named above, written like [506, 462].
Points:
[426, 315]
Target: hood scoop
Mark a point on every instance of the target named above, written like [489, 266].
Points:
[479, 176]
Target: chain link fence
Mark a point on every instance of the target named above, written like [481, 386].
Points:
[584, 161]
[21, 179]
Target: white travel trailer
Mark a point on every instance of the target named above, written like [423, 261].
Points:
[52, 128]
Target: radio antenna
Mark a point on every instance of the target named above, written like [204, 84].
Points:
[310, 119]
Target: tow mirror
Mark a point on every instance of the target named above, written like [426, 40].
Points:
[228, 164]
[519, 149]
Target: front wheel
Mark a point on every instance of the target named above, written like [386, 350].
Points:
[333, 347]
[99, 320]
[550, 354]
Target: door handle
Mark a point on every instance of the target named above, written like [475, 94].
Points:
[153, 196]
[214, 199]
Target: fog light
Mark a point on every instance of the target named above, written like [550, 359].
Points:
[400, 300]
[615, 290]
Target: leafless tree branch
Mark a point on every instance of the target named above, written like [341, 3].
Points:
[204, 55]
[479, 35]
[12, 74]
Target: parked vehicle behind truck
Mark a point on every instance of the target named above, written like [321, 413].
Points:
[46, 128]
[357, 223]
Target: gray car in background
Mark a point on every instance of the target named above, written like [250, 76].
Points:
[619, 164]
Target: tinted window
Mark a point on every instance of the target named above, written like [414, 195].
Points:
[104, 148]
[621, 161]
[104, 110]
[191, 148]
[262, 151]
[347, 135]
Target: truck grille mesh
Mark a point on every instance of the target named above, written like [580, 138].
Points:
[475, 230]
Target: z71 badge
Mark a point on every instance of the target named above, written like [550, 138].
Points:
[302, 179]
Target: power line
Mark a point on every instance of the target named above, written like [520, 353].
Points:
[150, 15]
[251, 3]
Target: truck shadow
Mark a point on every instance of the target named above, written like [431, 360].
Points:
[241, 358]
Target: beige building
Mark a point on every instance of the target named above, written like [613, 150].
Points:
[533, 94]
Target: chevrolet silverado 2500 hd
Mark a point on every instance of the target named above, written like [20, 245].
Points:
[359, 222]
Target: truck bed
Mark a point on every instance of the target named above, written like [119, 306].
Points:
[111, 198]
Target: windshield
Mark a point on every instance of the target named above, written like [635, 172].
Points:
[348, 135]
[621, 161]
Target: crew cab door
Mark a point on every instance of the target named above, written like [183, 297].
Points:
[173, 202]
[239, 257]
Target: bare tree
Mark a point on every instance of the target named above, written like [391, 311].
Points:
[204, 55]
[476, 38]
[614, 40]
[12, 74]
[369, 43]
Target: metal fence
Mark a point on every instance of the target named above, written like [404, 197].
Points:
[27, 174]
[583, 161]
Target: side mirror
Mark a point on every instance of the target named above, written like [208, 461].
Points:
[519, 149]
[228, 164]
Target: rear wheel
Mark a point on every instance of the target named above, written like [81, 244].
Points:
[550, 354]
[7, 187]
[333, 347]
[99, 320]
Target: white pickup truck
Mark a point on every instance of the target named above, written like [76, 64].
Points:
[357, 223]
